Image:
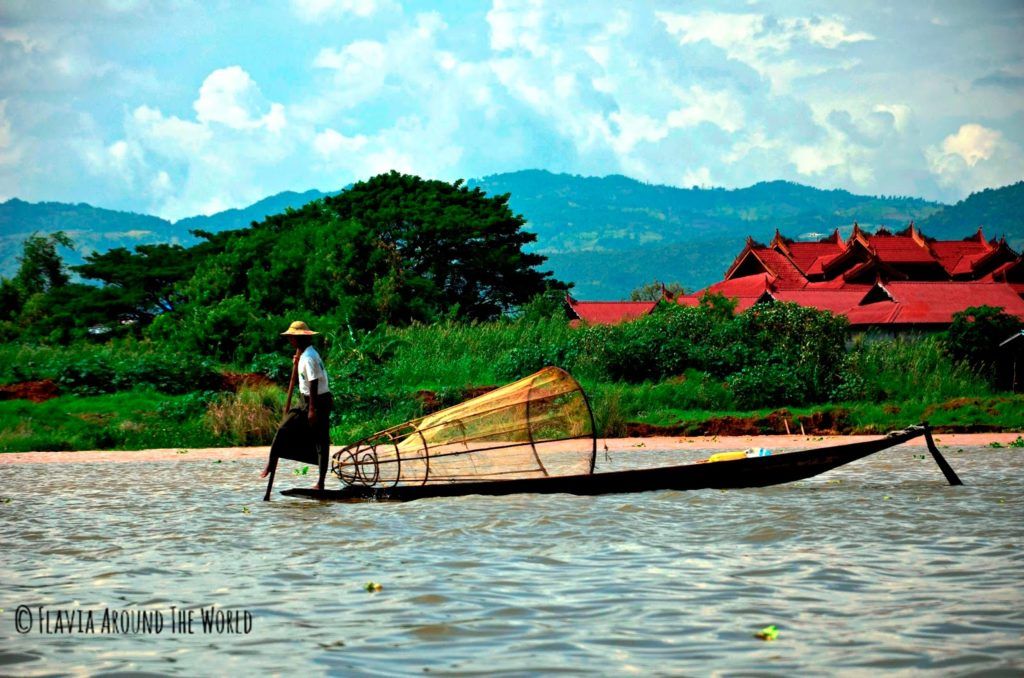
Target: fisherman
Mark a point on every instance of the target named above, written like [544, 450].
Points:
[304, 434]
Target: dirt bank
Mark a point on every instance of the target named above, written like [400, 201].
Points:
[36, 391]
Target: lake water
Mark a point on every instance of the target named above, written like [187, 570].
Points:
[878, 565]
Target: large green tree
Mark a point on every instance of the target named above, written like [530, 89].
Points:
[394, 249]
[41, 273]
[462, 248]
[40, 267]
[143, 282]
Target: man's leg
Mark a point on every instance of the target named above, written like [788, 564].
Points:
[285, 434]
[323, 439]
[323, 452]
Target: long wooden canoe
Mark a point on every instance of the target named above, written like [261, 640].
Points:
[774, 469]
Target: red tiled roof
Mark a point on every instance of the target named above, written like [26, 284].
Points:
[999, 272]
[956, 256]
[786, 274]
[834, 283]
[969, 263]
[904, 302]
[1011, 271]
[899, 249]
[809, 256]
[744, 291]
[610, 312]
[936, 302]
[878, 313]
[747, 286]
[818, 265]
[835, 300]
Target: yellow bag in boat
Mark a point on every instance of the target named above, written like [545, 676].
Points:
[728, 456]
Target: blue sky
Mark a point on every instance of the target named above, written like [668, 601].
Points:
[179, 108]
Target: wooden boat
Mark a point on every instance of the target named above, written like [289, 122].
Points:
[538, 436]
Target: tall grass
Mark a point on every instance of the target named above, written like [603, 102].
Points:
[456, 354]
[248, 417]
[913, 369]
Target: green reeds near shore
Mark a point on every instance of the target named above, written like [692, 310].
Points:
[128, 420]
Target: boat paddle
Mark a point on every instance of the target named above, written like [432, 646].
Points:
[287, 408]
[944, 466]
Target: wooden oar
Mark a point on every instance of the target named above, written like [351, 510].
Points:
[944, 466]
[291, 382]
[287, 408]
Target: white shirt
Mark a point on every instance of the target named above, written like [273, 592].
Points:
[311, 367]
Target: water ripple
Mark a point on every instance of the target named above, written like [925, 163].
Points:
[877, 565]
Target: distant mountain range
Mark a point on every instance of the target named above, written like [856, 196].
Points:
[1000, 211]
[608, 235]
[95, 228]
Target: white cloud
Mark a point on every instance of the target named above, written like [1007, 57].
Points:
[700, 176]
[358, 70]
[361, 70]
[518, 25]
[754, 140]
[169, 135]
[829, 32]
[230, 97]
[316, 10]
[975, 157]
[6, 138]
[405, 70]
[810, 160]
[122, 160]
[161, 184]
[900, 114]
[719, 108]
[634, 128]
[27, 42]
[331, 143]
[842, 155]
[762, 43]
[972, 143]
[222, 158]
[425, 146]
[670, 97]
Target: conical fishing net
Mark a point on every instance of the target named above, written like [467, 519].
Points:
[536, 427]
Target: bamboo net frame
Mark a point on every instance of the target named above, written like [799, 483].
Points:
[521, 430]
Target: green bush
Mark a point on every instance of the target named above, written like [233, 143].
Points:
[974, 338]
[187, 407]
[768, 384]
[88, 369]
[803, 349]
[521, 361]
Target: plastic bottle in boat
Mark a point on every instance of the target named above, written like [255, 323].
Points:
[759, 452]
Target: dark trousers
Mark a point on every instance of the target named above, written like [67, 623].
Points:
[297, 440]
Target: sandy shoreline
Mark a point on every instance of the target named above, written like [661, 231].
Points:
[710, 443]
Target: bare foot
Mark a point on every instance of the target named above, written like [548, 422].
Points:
[318, 486]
